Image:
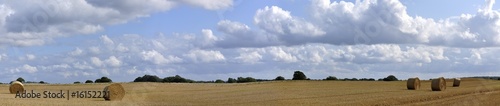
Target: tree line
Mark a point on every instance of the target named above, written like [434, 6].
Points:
[99, 80]
[297, 75]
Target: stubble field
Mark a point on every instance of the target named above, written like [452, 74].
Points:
[471, 92]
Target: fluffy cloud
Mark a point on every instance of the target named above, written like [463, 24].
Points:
[113, 61]
[34, 26]
[5, 11]
[278, 21]
[133, 70]
[76, 52]
[29, 69]
[107, 40]
[128, 9]
[314, 59]
[364, 22]
[96, 61]
[376, 54]
[28, 23]
[482, 56]
[58, 66]
[83, 65]
[94, 50]
[208, 38]
[279, 55]
[121, 48]
[158, 58]
[371, 38]
[30, 56]
[240, 35]
[210, 4]
[25, 68]
[3, 57]
[205, 56]
[247, 56]
[232, 27]
[360, 54]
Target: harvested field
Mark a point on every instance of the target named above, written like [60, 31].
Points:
[470, 92]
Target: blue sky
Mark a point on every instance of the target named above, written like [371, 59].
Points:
[66, 41]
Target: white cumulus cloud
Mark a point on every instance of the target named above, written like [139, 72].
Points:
[205, 56]
[96, 61]
[247, 56]
[58, 18]
[363, 22]
[29, 69]
[157, 58]
[210, 4]
[113, 61]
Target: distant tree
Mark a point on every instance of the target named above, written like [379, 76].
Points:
[298, 75]
[97, 81]
[231, 80]
[20, 79]
[331, 78]
[498, 78]
[240, 80]
[89, 81]
[177, 78]
[354, 79]
[103, 80]
[41, 82]
[201, 82]
[139, 79]
[390, 78]
[77, 82]
[250, 79]
[148, 78]
[219, 81]
[279, 78]
[244, 80]
[262, 80]
[371, 79]
[31, 82]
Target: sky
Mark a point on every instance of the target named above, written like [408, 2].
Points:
[62, 41]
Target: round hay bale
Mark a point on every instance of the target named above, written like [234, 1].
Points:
[438, 84]
[456, 82]
[413, 83]
[16, 87]
[114, 92]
